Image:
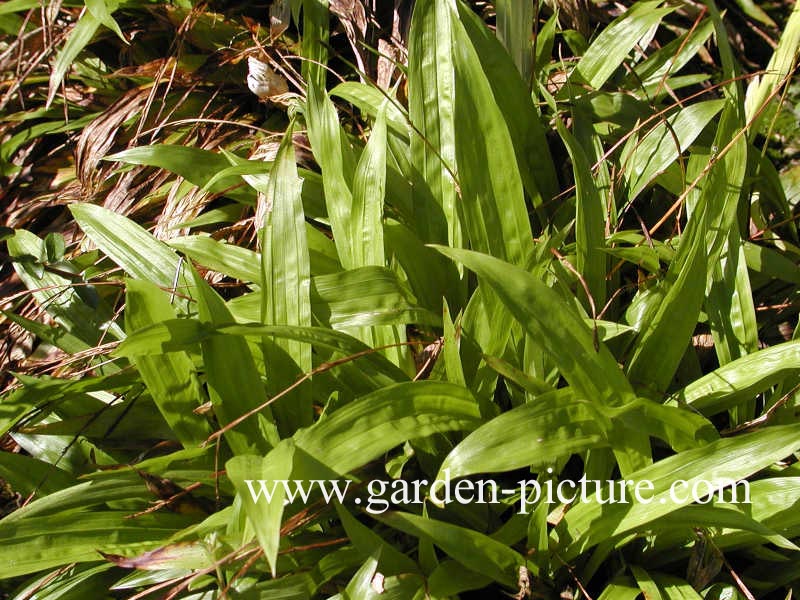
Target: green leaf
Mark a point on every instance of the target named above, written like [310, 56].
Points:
[234, 385]
[536, 434]
[770, 263]
[44, 542]
[450, 578]
[369, 99]
[719, 463]
[512, 96]
[264, 514]
[557, 328]
[353, 298]
[196, 165]
[492, 197]
[590, 222]
[170, 377]
[474, 550]
[327, 143]
[431, 91]
[365, 429]
[741, 379]
[58, 294]
[102, 9]
[369, 189]
[729, 305]
[78, 39]
[664, 143]
[783, 60]
[28, 475]
[285, 283]
[369, 543]
[608, 51]
[670, 59]
[315, 41]
[178, 334]
[129, 245]
[514, 26]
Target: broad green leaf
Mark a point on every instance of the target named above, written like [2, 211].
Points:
[353, 298]
[450, 578]
[102, 9]
[620, 588]
[44, 542]
[663, 144]
[369, 100]
[128, 486]
[431, 91]
[646, 583]
[264, 514]
[40, 395]
[170, 377]
[328, 145]
[13, 6]
[365, 429]
[28, 475]
[718, 464]
[492, 197]
[129, 245]
[670, 58]
[178, 334]
[196, 165]
[675, 588]
[451, 342]
[610, 49]
[590, 221]
[514, 26]
[234, 385]
[742, 379]
[531, 384]
[13, 143]
[58, 295]
[392, 561]
[439, 279]
[285, 284]
[234, 261]
[783, 61]
[724, 516]
[72, 584]
[365, 296]
[770, 263]
[360, 585]
[369, 189]
[536, 434]
[729, 305]
[556, 326]
[666, 334]
[474, 550]
[315, 41]
[681, 429]
[79, 37]
[512, 96]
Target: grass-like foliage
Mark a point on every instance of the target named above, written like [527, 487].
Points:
[487, 243]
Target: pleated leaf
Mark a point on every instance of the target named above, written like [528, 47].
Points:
[170, 377]
[365, 429]
[285, 284]
[556, 326]
[493, 201]
[719, 463]
[431, 96]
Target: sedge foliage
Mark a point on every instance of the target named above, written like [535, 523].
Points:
[514, 258]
